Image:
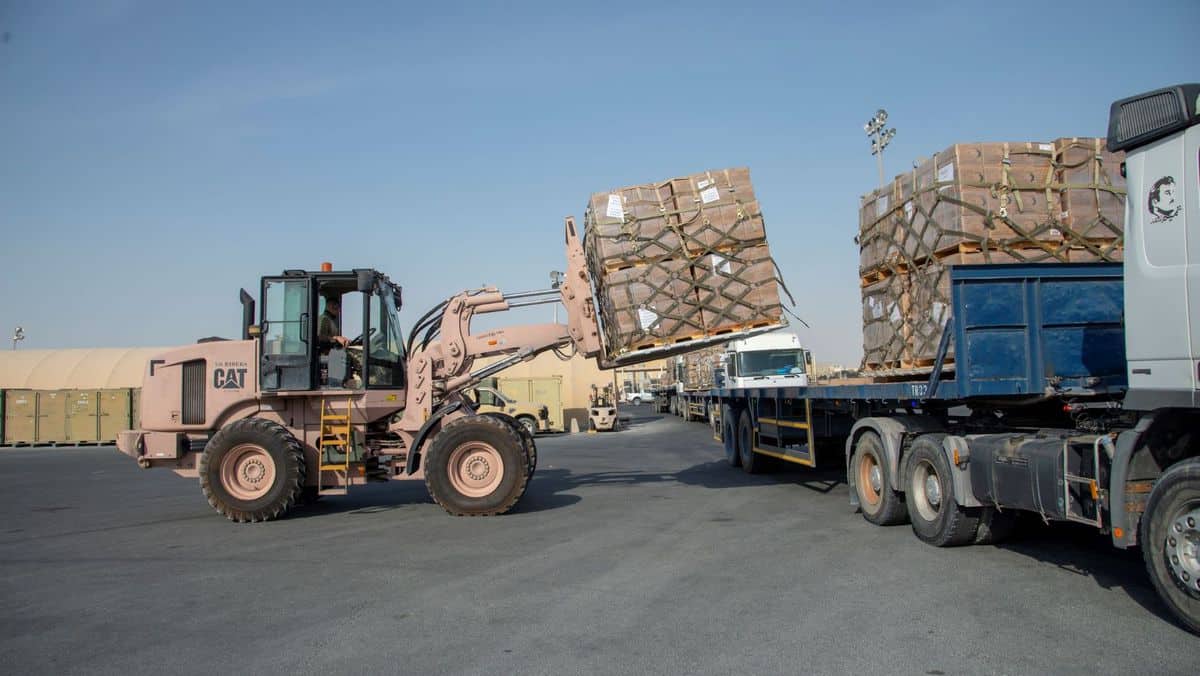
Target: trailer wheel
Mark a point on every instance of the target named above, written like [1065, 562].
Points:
[729, 437]
[1170, 540]
[477, 466]
[752, 463]
[995, 526]
[252, 470]
[937, 518]
[880, 504]
[526, 438]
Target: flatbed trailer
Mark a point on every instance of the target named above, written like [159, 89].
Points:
[1028, 417]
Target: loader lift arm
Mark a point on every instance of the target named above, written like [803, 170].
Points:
[440, 367]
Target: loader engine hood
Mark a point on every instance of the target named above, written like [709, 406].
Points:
[190, 388]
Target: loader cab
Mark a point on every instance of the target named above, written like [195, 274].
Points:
[1159, 131]
[302, 314]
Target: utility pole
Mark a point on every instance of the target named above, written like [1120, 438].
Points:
[18, 336]
[880, 137]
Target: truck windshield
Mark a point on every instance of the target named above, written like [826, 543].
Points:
[770, 363]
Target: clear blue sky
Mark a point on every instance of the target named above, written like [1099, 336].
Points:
[157, 156]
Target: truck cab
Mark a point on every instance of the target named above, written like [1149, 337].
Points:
[1159, 133]
[769, 360]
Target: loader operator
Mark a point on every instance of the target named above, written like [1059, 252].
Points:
[329, 330]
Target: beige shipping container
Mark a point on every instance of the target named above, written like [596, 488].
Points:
[52, 416]
[546, 391]
[135, 407]
[114, 413]
[83, 416]
[20, 417]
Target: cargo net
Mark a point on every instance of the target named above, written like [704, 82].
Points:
[977, 204]
[681, 261]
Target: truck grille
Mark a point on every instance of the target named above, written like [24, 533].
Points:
[193, 392]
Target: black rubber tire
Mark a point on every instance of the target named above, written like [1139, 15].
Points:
[501, 436]
[752, 463]
[286, 454]
[1176, 491]
[947, 524]
[887, 508]
[729, 436]
[526, 438]
[995, 526]
[529, 423]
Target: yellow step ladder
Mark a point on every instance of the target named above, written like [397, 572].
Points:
[337, 436]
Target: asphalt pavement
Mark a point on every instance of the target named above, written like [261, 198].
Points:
[634, 552]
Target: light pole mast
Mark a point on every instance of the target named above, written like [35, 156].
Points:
[17, 336]
[880, 137]
[556, 280]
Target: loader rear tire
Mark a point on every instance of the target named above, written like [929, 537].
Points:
[477, 466]
[252, 470]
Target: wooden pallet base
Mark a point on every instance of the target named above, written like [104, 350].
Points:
[677, 340]
[899, 264]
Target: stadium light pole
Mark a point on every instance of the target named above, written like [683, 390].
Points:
[880, 137]
[556, 280]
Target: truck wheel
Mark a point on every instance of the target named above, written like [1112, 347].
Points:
[252, 470]
[880, 504]
[995, 526]
[477, 466]
[528, 423]
[729, 437]
[937, 518]
[1170, 540]
[752, 463]
[526, 438]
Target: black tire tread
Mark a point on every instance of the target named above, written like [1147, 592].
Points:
[498, 425]
[961, 524]
[729, 436]
[275, 433]
[894, 511]
[752, 463]
[1183, 605]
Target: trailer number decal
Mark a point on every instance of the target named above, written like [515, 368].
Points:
[919, 390]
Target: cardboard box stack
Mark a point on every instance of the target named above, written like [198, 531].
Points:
[679, 261]
[977, 203]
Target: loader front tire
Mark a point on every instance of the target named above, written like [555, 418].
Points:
[252, 470]
[526, 438]
[477, 466]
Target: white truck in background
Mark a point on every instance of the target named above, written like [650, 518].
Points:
[775, 359]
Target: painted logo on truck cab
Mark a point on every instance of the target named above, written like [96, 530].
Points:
[230, 375]
[1162, 200]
